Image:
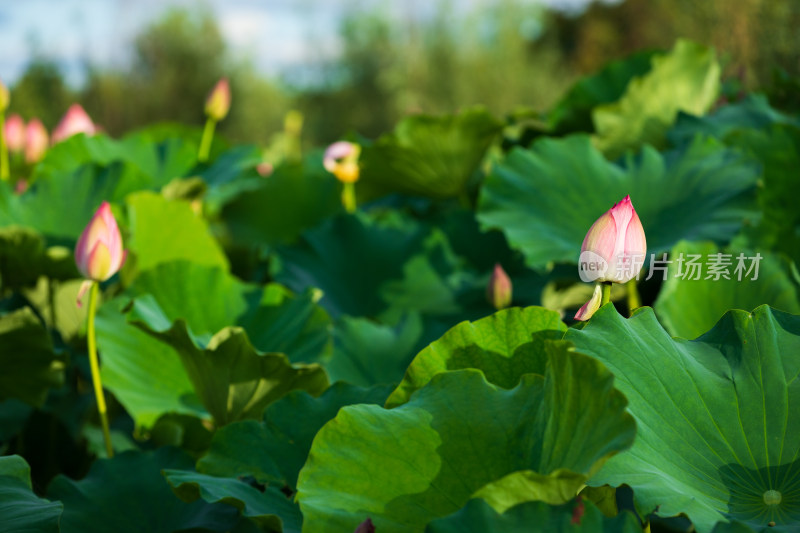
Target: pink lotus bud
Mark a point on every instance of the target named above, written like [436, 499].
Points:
[15, 133]
[36, 140]
[73, 122]
[99, 254]
[614, 248]
[5, 97]
[341, 160]
[265, 169]
[21, 186]
[219, 100]
[589, 308]
[499, 291]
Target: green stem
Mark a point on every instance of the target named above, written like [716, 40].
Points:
[95, 366]
[51, 300]
[5, 175]
[606, 296]
[634, 302]
[205, 142]
[349, 197]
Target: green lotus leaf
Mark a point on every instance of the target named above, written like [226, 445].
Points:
[688, 307]
[128, 494]
[278, 208]
[366, 352]
[685, 79]
[504, 346]
[21, 509]
[206, 300]
[271, 509]
[274, 450]
[349, 257]
[425, 459]
[718, 439]
[163, 230]
[542, 205]
[479, 517]
[30, 365]
[573, 112]
[429, 155]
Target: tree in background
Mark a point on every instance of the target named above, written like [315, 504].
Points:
[41, 93]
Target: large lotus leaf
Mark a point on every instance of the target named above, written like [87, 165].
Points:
[778, 149]
[270, 509]
[459, 436]
[128, 494]
[367, 352]
[233, 379]
[21, 510]
[30, 365]
[545, 199]
[278, 208]
[274, 451]
[165, 230]
[688, 307]
[145, 374]
[209, 299]
[160, 160]
[573, 112]
[59, 206]
[718, 433]
[429, 156]
[349, 257]
[56, 302]
[685, 79]
[752, 112]
[479, 517]
[22, 257]
[504, 346]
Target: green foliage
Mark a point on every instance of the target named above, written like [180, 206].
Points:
[715, 415]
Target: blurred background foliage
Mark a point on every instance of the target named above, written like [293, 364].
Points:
[505, 55]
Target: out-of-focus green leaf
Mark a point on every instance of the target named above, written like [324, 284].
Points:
[573, 113]
[459, 437]
[167, 230]
[685, 79]
[274, 451]
[718, 438]
[128, 494]
[21, 510]
[688, 307]
[270, 508]
[278, 208]
[427, 155]
[479, 517]
[545, 199]
[30, 365]
[504, 346]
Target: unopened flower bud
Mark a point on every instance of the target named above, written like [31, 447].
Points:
[499, 291]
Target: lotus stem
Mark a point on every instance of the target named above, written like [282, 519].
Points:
[349, 197]
[606, 297]
[634, 302]
[205, 142]
[5, 175]
[95, 367]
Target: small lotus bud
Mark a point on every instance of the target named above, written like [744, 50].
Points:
[589, 308]
[15, 133]
[74, 121]
[36, 141]
[99, 254]
[341, 160]
[499, 291]
[218, 102]
[614, 247]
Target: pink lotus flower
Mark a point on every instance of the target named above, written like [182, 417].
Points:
[341, 160]
[589, 308]
[99, 254]
[218, 102]
[499, 291]
[14, 131]
[614, 248]
[73, 122]
[36, 140]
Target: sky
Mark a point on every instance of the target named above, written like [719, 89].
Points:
[275, 34]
